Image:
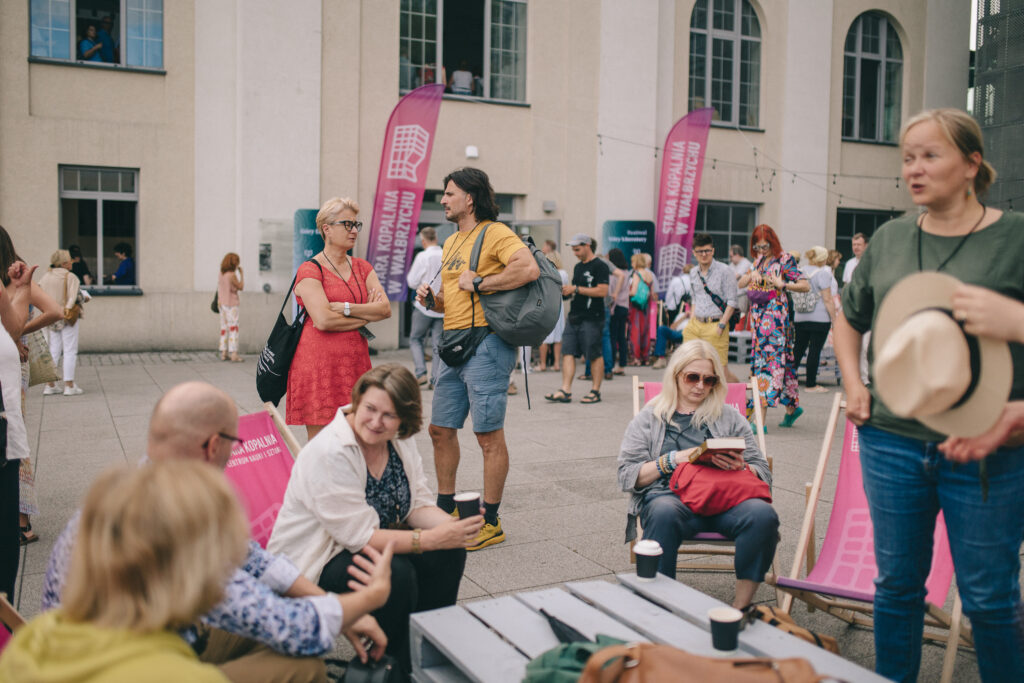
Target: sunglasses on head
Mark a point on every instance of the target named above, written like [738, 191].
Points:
[696, 377]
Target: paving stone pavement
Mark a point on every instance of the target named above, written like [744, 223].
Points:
[562, 512]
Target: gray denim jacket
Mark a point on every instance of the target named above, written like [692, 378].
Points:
[643, 440]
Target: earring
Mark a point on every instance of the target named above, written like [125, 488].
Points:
[968, 192]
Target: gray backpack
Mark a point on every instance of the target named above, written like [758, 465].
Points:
[526, 315]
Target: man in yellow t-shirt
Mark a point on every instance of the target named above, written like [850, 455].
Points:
[478, 386]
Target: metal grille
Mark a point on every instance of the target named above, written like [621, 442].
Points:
[999, 96]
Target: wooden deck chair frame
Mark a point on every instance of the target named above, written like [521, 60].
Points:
[289, 439]
[703, 546]
[951, 628]
[9, 616]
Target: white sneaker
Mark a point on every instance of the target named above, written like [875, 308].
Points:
[72, 391]
[49, 391]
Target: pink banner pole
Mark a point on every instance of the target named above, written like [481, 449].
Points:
[681, 168]
[404, 162]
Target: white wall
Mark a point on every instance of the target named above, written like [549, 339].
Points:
[947, 57]
[257, 139]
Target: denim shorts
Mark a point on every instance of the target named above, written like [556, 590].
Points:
[479, 387]
[583, 338]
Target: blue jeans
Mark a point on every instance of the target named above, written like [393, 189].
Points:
[753, 524]
[480, 388]
[907, 482]
[606, 345]
[665, 335]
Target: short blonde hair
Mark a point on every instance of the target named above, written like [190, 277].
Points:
[816, 256]
[555, 259]
[330, 210]
[637, 260]
[664, 404]
[59, 257]
[964, 133]
[155, 546]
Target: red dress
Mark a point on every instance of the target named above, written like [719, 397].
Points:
[327, 364]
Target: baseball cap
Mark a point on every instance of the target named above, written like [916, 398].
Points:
[578, 239]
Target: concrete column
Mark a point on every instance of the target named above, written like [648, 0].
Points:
[946, 53]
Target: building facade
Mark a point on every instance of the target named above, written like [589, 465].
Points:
[205, 125]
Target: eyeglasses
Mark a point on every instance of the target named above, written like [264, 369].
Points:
[762, 247]
[232, 439]
[702, 252]
[696, 378]
[349, 225]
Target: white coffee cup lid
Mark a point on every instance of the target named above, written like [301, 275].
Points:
[468, 495]
[724, 614]
[647, 547]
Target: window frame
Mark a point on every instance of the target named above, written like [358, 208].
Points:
[737, 40]
[122, 27]
[858, 55]
[100, 196]
[700, 224]
[843, 241]
[487, 54]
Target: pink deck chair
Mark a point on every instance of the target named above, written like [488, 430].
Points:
[840, 580]
[708, 543]
[260, 467]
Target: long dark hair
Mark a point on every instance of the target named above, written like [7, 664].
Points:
[477, 185]
[618, 259]
[7, 255]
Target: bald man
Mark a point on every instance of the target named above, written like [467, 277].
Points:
[273, 623]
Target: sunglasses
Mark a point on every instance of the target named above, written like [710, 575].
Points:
[349, 225]
[762, 247]
[696, 377]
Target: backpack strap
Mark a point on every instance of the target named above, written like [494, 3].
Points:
[474, 256]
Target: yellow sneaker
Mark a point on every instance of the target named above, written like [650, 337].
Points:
[454, 513]
[490, 534]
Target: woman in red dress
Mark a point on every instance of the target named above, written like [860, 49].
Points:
[341, 295]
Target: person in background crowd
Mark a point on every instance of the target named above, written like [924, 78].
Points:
[89, 47]
[639, 316]
[606, 333]
[812, 328]
[78, 265]
[738, 261]
[125, 273]
[62, 286]
[272, 624]
[588, 288]
[230, 282]
[618, 287]
[906, 479]
[108, 51]
[858, 244]
[426, 268]
[341, 294]
[773, 274]
[690, 409]
[549, 246]
[461, 80]
[359, 485]
[554, 339]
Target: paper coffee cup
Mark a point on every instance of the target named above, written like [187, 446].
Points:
[648, 554]
[468, 504]
[725, 628]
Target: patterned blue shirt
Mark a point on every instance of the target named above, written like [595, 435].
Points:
[253, 604]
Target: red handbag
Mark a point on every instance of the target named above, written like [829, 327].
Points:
[709, 490]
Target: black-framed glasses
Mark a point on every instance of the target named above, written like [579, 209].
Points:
[762, 247]
[349, 225]
[232, 439]
[709, 250]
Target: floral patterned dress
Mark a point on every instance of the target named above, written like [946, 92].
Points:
[772, 359]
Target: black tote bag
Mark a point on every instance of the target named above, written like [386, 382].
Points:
[276, 357]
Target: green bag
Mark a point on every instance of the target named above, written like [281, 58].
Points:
[564, 663]
[643, 291]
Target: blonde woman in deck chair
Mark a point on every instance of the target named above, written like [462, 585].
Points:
[690, 409]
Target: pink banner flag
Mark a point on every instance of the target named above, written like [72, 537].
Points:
[681, 167]
[259, 468]
[404, 162]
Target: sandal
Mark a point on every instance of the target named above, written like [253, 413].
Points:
[593, 397]
[28, 536]
[559, 396]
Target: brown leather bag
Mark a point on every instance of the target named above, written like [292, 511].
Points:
[647, 663]
[73, 312]
[782, 621]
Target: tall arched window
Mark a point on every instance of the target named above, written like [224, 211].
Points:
[872, 80]
[725, 60]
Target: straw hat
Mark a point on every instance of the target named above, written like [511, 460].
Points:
[927, 368]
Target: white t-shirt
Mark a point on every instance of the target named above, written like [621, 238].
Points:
[851, 266]
[740, 268]
[427, 264]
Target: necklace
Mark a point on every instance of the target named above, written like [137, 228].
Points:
[920, 238]
[455, 249]
[355, 299]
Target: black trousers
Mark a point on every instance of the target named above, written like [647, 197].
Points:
[418, 583]
[617, 328]
[10, 539]
[810, 338]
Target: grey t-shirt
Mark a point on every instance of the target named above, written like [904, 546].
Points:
[821, 284]
[989, 258]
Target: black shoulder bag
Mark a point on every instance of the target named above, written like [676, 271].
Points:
[717, 301]
[276, 357]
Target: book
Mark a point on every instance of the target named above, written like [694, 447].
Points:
[702, 454]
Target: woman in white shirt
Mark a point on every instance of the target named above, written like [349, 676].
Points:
[812, 327]
[360, 482]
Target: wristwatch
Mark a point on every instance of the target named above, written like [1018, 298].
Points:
[348, 309]
[477, 281]
[721, 326]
